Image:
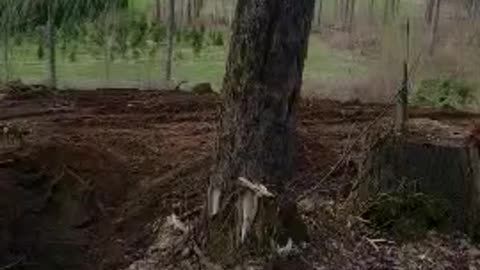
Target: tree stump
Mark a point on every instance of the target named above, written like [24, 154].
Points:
[442, 162]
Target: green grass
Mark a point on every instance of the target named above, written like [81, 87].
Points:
[209, 66]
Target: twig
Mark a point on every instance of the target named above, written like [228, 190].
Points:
[373, 244]
[259, 189]
[350, 148]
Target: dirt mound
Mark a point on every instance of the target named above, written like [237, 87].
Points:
[54, 196]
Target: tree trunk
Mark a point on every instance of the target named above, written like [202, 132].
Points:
[189, 12]
[346, 14]
[351, 15]
[6, 50]
[198, 8]
[434, 28]
[319, 12]
[171, 40]
[257, 131]
[429, 11]
[371, 11]
[158, 11]
[447, 168]
[386, 12]
[51, 45]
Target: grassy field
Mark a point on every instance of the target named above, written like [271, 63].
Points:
[324, 63]
[146, 72]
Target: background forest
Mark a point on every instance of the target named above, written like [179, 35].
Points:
[356, 47]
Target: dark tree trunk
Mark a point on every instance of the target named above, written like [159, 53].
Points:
[429, 11]
[257, 131]
[158, 11]
[346, 14]
[198, 4]
[351, 15]
[171, 40]
[189, 12]
[51, 44]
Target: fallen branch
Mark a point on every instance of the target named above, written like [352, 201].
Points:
[259, 189]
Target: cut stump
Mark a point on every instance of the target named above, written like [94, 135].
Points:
[434, 159]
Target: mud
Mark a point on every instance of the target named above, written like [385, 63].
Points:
[98, 167]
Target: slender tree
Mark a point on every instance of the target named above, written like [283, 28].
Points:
[371, 10]
[434, 28]
[429, 11]
[51, 45]
[319, 12]
[257, 130]
[171, 40]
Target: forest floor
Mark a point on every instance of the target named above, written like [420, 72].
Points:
[97, 171]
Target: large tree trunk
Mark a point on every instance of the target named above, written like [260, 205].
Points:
[171, 40]
[257, 131]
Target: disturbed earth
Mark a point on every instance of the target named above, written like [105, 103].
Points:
[85, 175]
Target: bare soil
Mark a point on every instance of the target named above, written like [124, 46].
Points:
[97, 168]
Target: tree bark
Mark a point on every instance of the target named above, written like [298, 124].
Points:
[257, 131]
[171, 40]
[51, 45]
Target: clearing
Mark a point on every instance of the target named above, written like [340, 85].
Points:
[99, 168]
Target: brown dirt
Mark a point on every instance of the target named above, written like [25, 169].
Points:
[98, 167]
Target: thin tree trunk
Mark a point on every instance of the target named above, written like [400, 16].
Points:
[158, 11]
[346, 14]
[371, 11]
[198, 7]
[257, 130]
[171, 40]
[402, 101]
[434, 28]
[189, 12]
[429, 11]
[51, 47]
[351, 16]
[319, 12]
[386, 12]
[6, 50]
